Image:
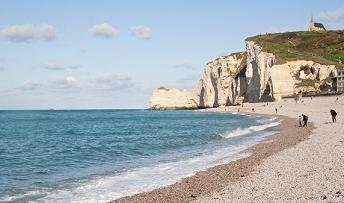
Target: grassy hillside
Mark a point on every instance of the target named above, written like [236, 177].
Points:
[326, 47]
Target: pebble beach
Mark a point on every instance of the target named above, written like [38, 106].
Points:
[298, 164]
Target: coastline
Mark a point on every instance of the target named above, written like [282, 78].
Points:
[306, 170]
[215, 179]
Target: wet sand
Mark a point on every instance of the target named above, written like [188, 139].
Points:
[216, 179]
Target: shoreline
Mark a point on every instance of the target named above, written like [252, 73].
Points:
[215, 179]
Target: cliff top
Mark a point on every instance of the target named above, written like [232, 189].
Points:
[325, 47]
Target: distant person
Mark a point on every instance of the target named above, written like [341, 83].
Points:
[267, 103]
[300, 121]
[305, 120]
[337, 99]
[276, 110]
[281, 106]
[334, 115]
[242, 105]
[252, 109]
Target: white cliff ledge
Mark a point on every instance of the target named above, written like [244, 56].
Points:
[171, 98]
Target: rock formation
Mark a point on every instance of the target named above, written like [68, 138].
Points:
[222, 83]
[300, 76]
[258, 76]
[255, 75]
[268, 81]
[171, 98]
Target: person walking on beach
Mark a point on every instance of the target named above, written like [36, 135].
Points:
[305, 120]
[300, 121]
[276, 110]
[334, 115]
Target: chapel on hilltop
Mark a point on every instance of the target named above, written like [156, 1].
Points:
[314, 26]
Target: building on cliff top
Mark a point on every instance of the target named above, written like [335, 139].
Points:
[340, 80]
[314, 26]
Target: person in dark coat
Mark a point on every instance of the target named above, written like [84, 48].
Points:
[334, 115]
[305, 120]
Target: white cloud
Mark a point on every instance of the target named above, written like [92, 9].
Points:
[104, 30]
[333, 19]
[184, 65]
[64, 83]
[57, 66]
[28, 33]
[142, 32]
[28, 85]
[112, 82]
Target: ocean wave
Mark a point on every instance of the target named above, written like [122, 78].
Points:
[143, 179]
[244, 131]
[267, 120]
[238, 113]
[24, 197]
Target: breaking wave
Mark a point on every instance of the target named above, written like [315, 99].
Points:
[244, 131]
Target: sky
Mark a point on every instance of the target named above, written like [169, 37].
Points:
[103, 54]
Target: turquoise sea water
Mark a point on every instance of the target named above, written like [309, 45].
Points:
[100, 155]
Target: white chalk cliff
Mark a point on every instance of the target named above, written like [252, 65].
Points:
[172, 98]
[268, 81]
[222, 83]
[252, 76]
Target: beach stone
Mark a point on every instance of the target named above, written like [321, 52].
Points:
[323, 197]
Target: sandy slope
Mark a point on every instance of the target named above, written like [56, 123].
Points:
[311, 170]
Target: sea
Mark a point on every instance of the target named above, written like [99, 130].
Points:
[101, 155]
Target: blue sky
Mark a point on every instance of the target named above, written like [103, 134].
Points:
[113, 54]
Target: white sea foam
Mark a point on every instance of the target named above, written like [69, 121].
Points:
[22, 197]
[267, 120]
[244, 131]
[144, 178]
[238, 113]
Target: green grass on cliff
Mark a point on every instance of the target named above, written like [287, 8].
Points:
[325, 47]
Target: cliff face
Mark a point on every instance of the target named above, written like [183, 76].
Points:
[268, 81]
[305, 76]
[257, 75]
[222, 83]
[165, 99]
